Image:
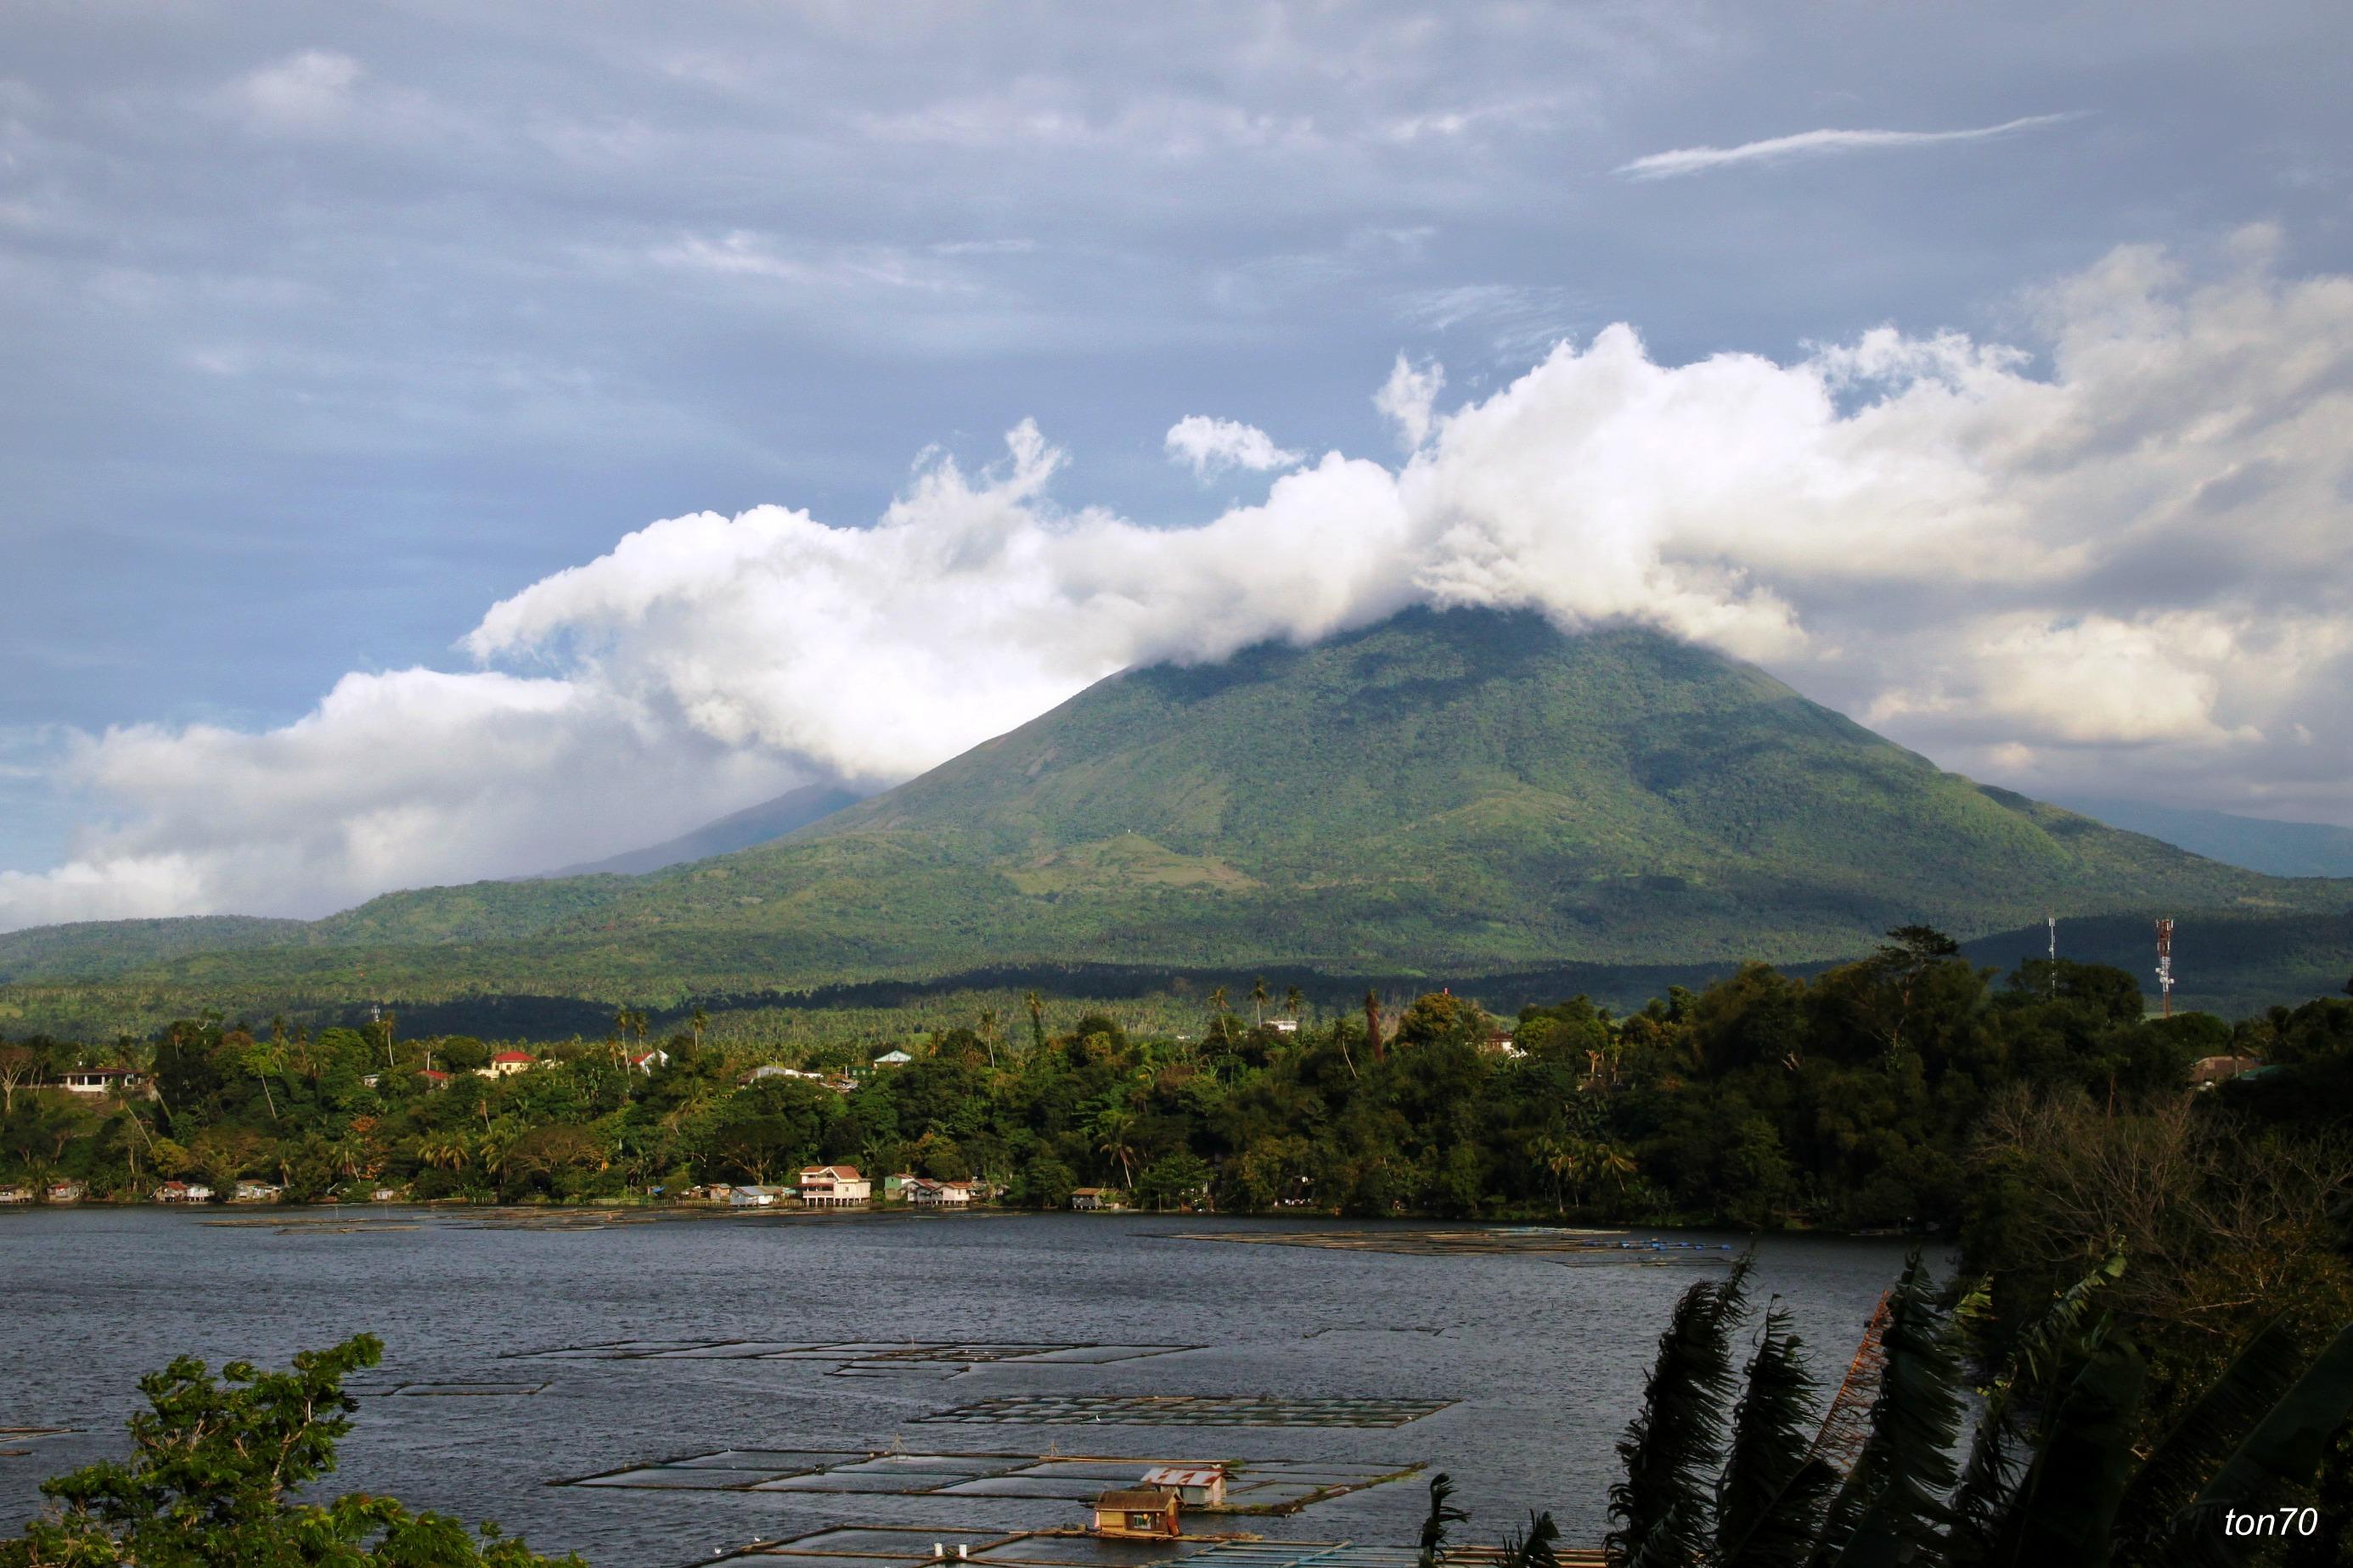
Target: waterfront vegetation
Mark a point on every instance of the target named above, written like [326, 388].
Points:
[216, 1475]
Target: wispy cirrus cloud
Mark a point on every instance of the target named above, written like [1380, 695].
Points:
[1681, 160]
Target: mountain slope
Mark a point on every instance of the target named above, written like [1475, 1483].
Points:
[2274, 849]
[1457, 793]
[761, 823]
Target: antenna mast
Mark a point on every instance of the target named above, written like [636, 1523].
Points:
[2165, 963]
[2052, 919]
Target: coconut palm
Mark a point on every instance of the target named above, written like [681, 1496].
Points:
[1259, 995]
[2051, 1474]
[1036, 1006]
[1113, 1132]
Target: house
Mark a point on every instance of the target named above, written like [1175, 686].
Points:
[1088, 1199]
[432, 1078]
[184, 1193]
[1136, 1514]
[1499, 1043]
[1197, 1486]
[893, 1059]
[1283, 1025]
[255, 1193]
[647, 1061]
[924, 1192]
[382, 1194]
[834, 1186]
[838, 1084]
[16, 1194]
[67, 1192]
[506, 1064]
[753, 1198]
[98, 1080]
[2207, 1072]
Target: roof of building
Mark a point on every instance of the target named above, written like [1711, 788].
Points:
[894, 1056]
[1150, 1500]
[1185, 1476]
[836, 1172]
[513, 1057]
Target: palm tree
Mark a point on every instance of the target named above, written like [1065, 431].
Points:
[698, 1020]
[2051, 1475]
[1036, 1006]
[988, 1033]
[1373, 1022]
[1113, 1130]
[1294, 1002]
[1258, 997]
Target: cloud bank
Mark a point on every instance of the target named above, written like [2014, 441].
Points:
[2117, 555]
[1681, 160]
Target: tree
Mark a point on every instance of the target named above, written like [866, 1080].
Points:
[1295, 1002]
[1258, 997]
[1036, 1006]
[19, 1065]
[215, 1468]
[697, 1020]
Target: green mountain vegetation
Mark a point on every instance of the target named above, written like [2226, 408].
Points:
[2275, 848]
[1443, 793]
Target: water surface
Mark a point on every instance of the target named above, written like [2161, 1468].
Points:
[1541, 1355]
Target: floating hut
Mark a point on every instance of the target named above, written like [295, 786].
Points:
[1146, 1513]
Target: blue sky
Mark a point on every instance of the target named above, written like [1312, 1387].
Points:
[325, 328]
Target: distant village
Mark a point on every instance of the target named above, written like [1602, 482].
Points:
[835, 1186]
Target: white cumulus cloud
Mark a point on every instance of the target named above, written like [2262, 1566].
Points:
[1212, 446]
[2118, 553]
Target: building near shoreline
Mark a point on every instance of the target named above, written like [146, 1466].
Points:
[834, 1186]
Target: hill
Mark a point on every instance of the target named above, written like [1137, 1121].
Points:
[761, 823]
[1465, 793]
[2258, 844]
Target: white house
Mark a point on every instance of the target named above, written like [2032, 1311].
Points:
[835, 1186]
[97, 1081]
[924, 1192]
[1093, 1198]
[647, 1061]
[753, 1197]
[184, 1193]
[893, 1059]
[506, 1064]
[255, 1193]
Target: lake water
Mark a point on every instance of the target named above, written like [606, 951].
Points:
[1540, 1356]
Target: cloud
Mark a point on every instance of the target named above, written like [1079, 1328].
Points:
[1210, 446]
[302, 91]
[1409, 399]
[2120, 548]
[1684, 161]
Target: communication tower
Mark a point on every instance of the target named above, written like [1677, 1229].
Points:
[2165, 963]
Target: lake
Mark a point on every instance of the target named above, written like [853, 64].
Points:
[1529, 1363]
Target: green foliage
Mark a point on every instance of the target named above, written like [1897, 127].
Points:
[1660, 1509]
[2071, 1490]
[215, 1468]
[1773, 1488]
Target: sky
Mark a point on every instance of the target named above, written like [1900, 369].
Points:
[440, 442]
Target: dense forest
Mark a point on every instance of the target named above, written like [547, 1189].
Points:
[1863, 1097]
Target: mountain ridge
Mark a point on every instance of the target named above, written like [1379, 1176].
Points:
[1460, 791]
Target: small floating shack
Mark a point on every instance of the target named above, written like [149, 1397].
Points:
[1146, 1513]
